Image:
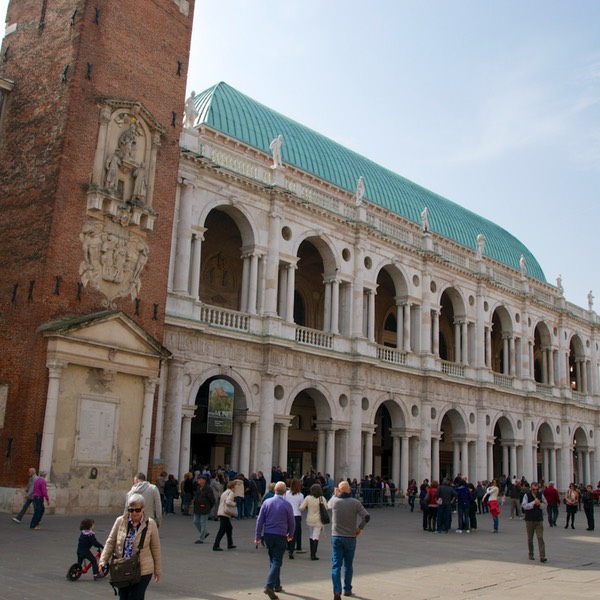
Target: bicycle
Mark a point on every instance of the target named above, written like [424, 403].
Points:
[76, 570]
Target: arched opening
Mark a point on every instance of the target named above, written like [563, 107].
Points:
[446, 329]
[217, 401]
[576, 364]
[309, 286]
[221, 271]
[542, 353]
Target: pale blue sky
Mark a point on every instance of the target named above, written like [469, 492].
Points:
[494, 105]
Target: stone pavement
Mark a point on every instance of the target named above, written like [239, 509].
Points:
[395, 559]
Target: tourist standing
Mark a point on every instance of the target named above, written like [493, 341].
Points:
[348, 518]
[533, 505]
[276, 525]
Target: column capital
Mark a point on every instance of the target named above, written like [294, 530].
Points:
[56, 366]
[150, 384]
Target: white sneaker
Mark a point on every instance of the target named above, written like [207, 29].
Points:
[468, 531]
[16, 520]
[459, 531]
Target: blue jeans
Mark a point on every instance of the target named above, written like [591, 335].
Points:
[239, 501]
[463, 518]
[200, 522]
[342, 553]
[276, 545]
[444, 517]
[38, 512]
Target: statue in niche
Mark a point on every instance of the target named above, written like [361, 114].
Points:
[190, 112]
[559, 284]
[523, 265]
[275, 147]
[480, 246]
[590, 300]
[360, 191]
[139, 186]
[128, 140]
[112, 165]
[425, 220]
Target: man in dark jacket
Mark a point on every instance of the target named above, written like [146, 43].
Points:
[533, 505]
[204, 500]
[447, 494]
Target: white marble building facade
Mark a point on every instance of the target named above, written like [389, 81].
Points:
[360, 342]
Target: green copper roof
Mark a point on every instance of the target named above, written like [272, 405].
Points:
[238, 116]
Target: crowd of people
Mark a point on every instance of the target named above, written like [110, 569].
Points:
[224, 495]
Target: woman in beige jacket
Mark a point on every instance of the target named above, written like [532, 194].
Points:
[124, 540]
[313, 517]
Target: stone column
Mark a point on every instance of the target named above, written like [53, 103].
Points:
[490, 461]
[160, 412]
[456, 457]
[551, 366]
[488, 347]
[399, 327]
[505, 356]
[173, 412]
[264, 439]
[55, 369]
[512, 355]
[435, 458]
[464, 342]
[355, 440]
[368, 454]
[181, 281]
[464, 457]
[321, 448]
[244, 288]
[284, 429]
[481, 470]
[197, 239]
[272, 266]
[327, 306]
[330, 453]
[406, 323]
[335, 306]
[244, 462]
[357, 294]
[424, 459]
[553, 464]
[235, 445]
[505, 465]
[291, 287]
[457, 344]
[184, 450]
[545, 366]
[435, 334]
[253, 285]
[146, 429]
[513, 470]
[371, 315]
[396, 465]
[282, 300]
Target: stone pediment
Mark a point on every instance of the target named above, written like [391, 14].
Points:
[107, 340]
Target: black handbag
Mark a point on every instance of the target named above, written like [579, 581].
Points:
[125, 572]
[323, 513]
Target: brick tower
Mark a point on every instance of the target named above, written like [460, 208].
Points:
[92, 95]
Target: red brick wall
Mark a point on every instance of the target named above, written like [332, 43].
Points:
[48, 140]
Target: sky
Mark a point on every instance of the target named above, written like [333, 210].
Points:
[493, 105]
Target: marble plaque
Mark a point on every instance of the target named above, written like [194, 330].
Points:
[96, 431]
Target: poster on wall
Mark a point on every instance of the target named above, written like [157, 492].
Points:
[220, 407]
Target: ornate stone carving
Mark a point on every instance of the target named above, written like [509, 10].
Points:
[113, 260]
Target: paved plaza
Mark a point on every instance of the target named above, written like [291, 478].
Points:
[395, 559]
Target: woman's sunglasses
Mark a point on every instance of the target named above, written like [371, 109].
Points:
[136, 510]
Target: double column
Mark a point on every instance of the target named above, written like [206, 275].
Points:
[251, 277]
[287, 283]
[331, 315]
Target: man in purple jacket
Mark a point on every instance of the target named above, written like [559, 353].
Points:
[40, 493]
[276, 524]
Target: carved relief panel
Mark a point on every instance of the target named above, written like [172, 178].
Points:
[119, 200]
